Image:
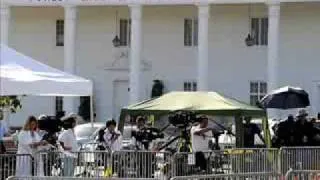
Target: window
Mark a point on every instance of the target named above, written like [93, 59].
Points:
[59, 104]
[258, 89]
[190, 86]
[190, 32]
[125, 32]
[259, 30]
[60, 32]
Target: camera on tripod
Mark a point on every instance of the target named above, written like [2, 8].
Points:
[147, 134]
[183, 119]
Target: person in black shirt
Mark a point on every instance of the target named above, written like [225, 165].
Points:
[303, 129]
[250, 130]
[286, 132]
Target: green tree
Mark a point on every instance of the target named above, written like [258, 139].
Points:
[11, 102]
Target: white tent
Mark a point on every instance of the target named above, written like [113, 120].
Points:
[22, 75]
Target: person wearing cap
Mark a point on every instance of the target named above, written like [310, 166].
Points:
[68, 142]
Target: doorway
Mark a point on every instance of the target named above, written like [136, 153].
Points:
[120, 96]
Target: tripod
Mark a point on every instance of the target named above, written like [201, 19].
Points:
[184, 141]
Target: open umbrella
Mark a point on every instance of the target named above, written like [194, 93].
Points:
[286, 98]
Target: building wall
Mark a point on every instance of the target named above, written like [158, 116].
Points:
[232, 64]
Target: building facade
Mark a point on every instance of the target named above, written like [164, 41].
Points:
[188, 45]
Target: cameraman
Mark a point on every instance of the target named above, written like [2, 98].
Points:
[136, 141]
[201, 135]
[142, 143]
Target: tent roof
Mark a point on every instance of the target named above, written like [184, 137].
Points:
[22, 75]
[204, 102]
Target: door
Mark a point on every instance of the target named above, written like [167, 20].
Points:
[120, 96]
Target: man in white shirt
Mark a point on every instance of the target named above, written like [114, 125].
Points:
[112, 137]
[68, 141]
[200, 137]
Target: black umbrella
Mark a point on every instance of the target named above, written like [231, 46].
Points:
[286, 98]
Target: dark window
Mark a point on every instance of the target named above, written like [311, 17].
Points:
[259, 30]
[190, 86]
[60, 32]
[59, 104]
[190, 32]
[258, 89]
[125, 32]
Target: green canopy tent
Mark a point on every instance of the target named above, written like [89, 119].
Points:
[210, 103]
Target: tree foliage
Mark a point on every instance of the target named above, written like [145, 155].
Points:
[11, 102]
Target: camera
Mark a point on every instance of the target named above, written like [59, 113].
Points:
[50, 124]
[183, 119]
[147, 134]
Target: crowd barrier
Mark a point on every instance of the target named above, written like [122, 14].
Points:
[226, 162]
[238, 176]
[9, 163]
[303, 175]
[71, 178]
[159, 165]
[299, 158]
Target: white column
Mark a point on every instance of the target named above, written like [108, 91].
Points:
[70, 20]
[4, 23]
[273, 49]
[203, 61]
[135, 52]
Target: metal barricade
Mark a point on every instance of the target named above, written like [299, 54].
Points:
[141, 164]
[253, 160]
[299, 158]
[78, 164]
[71, 178]
[213, 162]
[226, 162]
[303, 175]
[240, 176]
[11, 164]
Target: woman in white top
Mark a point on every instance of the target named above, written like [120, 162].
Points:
[68, 141]
[28, 143]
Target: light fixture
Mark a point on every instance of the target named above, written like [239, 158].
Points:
[249, 40]
[116, 40]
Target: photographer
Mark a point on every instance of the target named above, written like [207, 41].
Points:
[201, 135]
[112, 137]
[136, 140]
[47, 132]
[142, 140]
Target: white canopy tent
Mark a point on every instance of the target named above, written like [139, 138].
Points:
[22, 75]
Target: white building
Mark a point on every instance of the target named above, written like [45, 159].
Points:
[188, 44]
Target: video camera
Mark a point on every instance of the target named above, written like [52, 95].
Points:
[183, 119]
[147, 134]
[50, 124]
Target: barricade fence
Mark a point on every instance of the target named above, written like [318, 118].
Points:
[238, 176]
[303, 175]
[71, 178]
[226, 162]
[160, 165]
[299, 158]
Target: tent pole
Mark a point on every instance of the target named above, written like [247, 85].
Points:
[91, 110]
